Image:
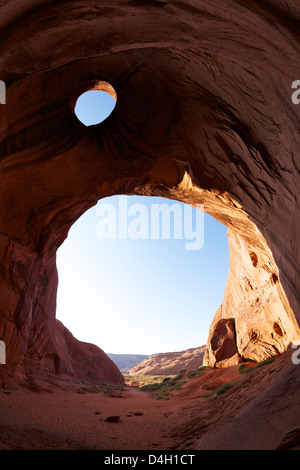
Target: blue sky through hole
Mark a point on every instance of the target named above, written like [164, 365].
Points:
[141, 296]
[93, 107]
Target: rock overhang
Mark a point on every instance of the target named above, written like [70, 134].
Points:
[204, 115]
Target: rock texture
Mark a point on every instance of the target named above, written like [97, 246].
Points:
[260, 413]
[204, 115]
[170, 363]
[255, 304]
[221, 350]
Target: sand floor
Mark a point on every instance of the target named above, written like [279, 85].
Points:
[62, 418]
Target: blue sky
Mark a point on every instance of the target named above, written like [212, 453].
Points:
[140, 296]
[94, 107]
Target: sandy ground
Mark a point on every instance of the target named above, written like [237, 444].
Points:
[65, 419]
[69, 420]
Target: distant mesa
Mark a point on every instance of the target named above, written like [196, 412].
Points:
[125, 362]
[170, 363]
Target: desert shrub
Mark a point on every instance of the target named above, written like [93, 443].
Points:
[220, 390]
[203, 368]
[223, 388]
[260, 364]
[266, 361]
[102, 387]
[179, 376]
[250, 369]
[242, 367]
[162, 389]
[192, 374]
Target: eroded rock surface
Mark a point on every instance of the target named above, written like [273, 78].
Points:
[255, 303]
[204, 115]
[170, 363]
[221, 350]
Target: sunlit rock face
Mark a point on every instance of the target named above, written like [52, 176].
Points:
[170, 363]
[262, 321]
[204, 115]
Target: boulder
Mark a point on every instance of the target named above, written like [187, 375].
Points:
[221, 348]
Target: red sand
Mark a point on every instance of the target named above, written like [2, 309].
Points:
[66, 419]
[69, 420]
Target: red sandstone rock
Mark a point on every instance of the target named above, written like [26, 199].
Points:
[266, 414]
[263, 323]
[170, 363]
[113, 419]
[204, 115]
[221, 345]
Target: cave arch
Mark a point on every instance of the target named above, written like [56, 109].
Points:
[136, 267]
[198, 120]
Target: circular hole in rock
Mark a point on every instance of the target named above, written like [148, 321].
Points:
[94, 105]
